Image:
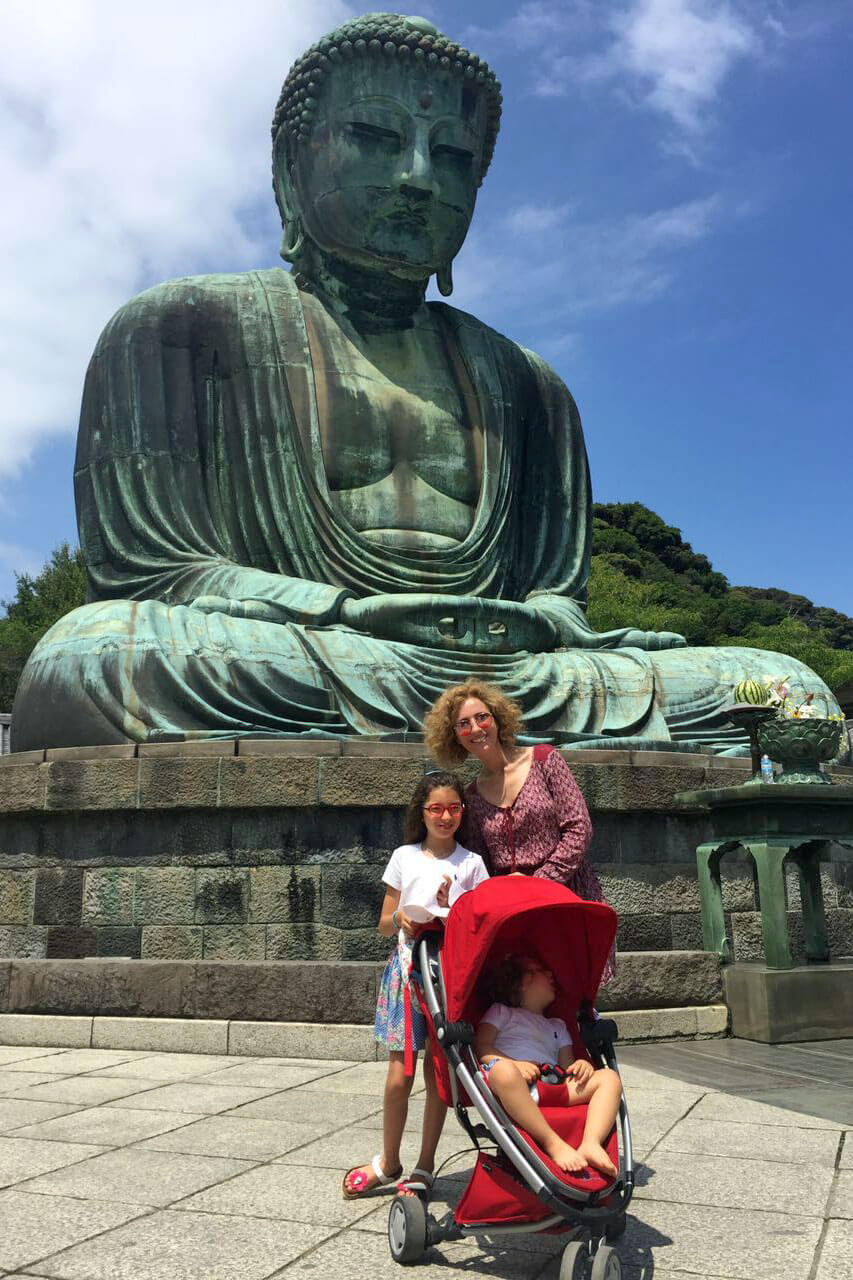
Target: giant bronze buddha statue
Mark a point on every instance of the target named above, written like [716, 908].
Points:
[309, 500]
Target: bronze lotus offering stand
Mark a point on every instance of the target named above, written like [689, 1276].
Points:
[750, 716]
[800, 745]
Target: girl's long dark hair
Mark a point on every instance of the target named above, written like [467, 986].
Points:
[414, 827]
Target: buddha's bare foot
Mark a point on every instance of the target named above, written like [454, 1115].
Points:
[564, 1156]
[593, 1154]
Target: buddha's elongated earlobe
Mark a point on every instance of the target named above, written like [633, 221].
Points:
[444, 280]
[293, 231]
[292, 239]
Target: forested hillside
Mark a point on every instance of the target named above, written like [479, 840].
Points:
[643, 575]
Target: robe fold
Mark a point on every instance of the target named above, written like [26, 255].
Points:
[218, 563]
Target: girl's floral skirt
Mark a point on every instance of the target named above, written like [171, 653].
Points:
[389, 1027]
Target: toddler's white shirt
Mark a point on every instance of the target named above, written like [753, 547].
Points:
[529, 1037]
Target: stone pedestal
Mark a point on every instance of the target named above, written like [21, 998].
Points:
[272, 850]
[781, 1006]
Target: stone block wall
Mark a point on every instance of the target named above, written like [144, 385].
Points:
[192, 851]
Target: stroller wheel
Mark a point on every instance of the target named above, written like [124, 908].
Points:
[616, 1228]
[574, 1260]
[407, 1229]
[606, 1265]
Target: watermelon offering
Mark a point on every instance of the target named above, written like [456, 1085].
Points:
[752, 692]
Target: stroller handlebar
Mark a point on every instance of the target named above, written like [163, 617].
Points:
[450, 1033]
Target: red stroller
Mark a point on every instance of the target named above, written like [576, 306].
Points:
[514, 1186]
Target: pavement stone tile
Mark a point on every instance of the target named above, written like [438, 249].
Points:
[242, 1139]
[108, 1126]
[190, 1095]
[725, 1182]
[187, 1246]
[831, 1102]
[747, 1109]
[846, 1161]
[706, 1242]
[87, 1091]
[22, 1158]
[28, 1234]
[169, 1066]
[792, 1146]
[74, 1061]
[276, 1191]
[272, 1073]
[21, 1053]
[841, 1200]
[135, 1176]
[364, 1077]
[364, 1254]
[325, 1111]
[347, 1147]
[15, 1113]
[641, 1078]
[12, 1082]
[835, 1256]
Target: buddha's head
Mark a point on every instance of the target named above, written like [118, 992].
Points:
[382, 135]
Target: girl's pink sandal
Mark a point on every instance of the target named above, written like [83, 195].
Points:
[358, 1182]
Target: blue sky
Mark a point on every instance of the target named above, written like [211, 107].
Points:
[666, 220]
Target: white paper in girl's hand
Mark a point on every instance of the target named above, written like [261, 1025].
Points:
[421, 903]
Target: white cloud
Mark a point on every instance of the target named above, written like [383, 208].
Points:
[670, 56]
[15, 559]
[566, 268]
[679, 52]
[532, 218]
[134, 142]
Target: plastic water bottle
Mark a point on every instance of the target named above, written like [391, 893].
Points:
[766, 769]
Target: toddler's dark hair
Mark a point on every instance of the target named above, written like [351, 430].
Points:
[503, 984]
[414, 827]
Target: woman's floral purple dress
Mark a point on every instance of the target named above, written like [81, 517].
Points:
[545, 832]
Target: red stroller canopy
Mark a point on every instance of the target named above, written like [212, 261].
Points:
[530, 917]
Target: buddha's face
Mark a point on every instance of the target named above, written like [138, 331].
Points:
[389, 174]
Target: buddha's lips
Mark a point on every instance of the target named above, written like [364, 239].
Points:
[414, 216]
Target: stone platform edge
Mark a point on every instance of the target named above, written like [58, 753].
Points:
[275, 773]
[352, 1042]
[300, 991]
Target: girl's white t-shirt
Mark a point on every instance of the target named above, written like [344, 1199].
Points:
[529, 1037]
[414, 872]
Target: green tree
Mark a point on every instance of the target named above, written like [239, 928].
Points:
[39, 602]
[644, 574]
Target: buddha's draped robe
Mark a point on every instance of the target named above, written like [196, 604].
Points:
[200, 474]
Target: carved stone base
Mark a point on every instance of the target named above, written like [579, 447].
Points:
[782, 1006]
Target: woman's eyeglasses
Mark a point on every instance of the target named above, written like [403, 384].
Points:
[438, 810]
[478, 720]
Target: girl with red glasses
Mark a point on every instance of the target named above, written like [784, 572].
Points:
[423, 879]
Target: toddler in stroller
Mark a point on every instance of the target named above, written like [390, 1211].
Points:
[554, 1163]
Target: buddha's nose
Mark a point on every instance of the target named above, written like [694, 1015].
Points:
[417, 178]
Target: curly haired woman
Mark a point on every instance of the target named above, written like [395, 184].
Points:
[525, 814]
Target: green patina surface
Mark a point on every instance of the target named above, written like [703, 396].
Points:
[309, 500]
[801, 824]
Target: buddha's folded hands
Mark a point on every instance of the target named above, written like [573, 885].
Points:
[470, 623]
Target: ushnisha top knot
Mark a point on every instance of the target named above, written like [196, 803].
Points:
[380, 36]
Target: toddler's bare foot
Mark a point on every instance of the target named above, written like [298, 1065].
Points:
[596, 1157]
[564, 1156]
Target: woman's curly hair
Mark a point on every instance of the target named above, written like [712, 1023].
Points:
[440, 734]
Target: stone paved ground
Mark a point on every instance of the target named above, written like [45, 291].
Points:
[184, 1167]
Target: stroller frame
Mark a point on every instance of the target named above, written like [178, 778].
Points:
[591, 1218]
